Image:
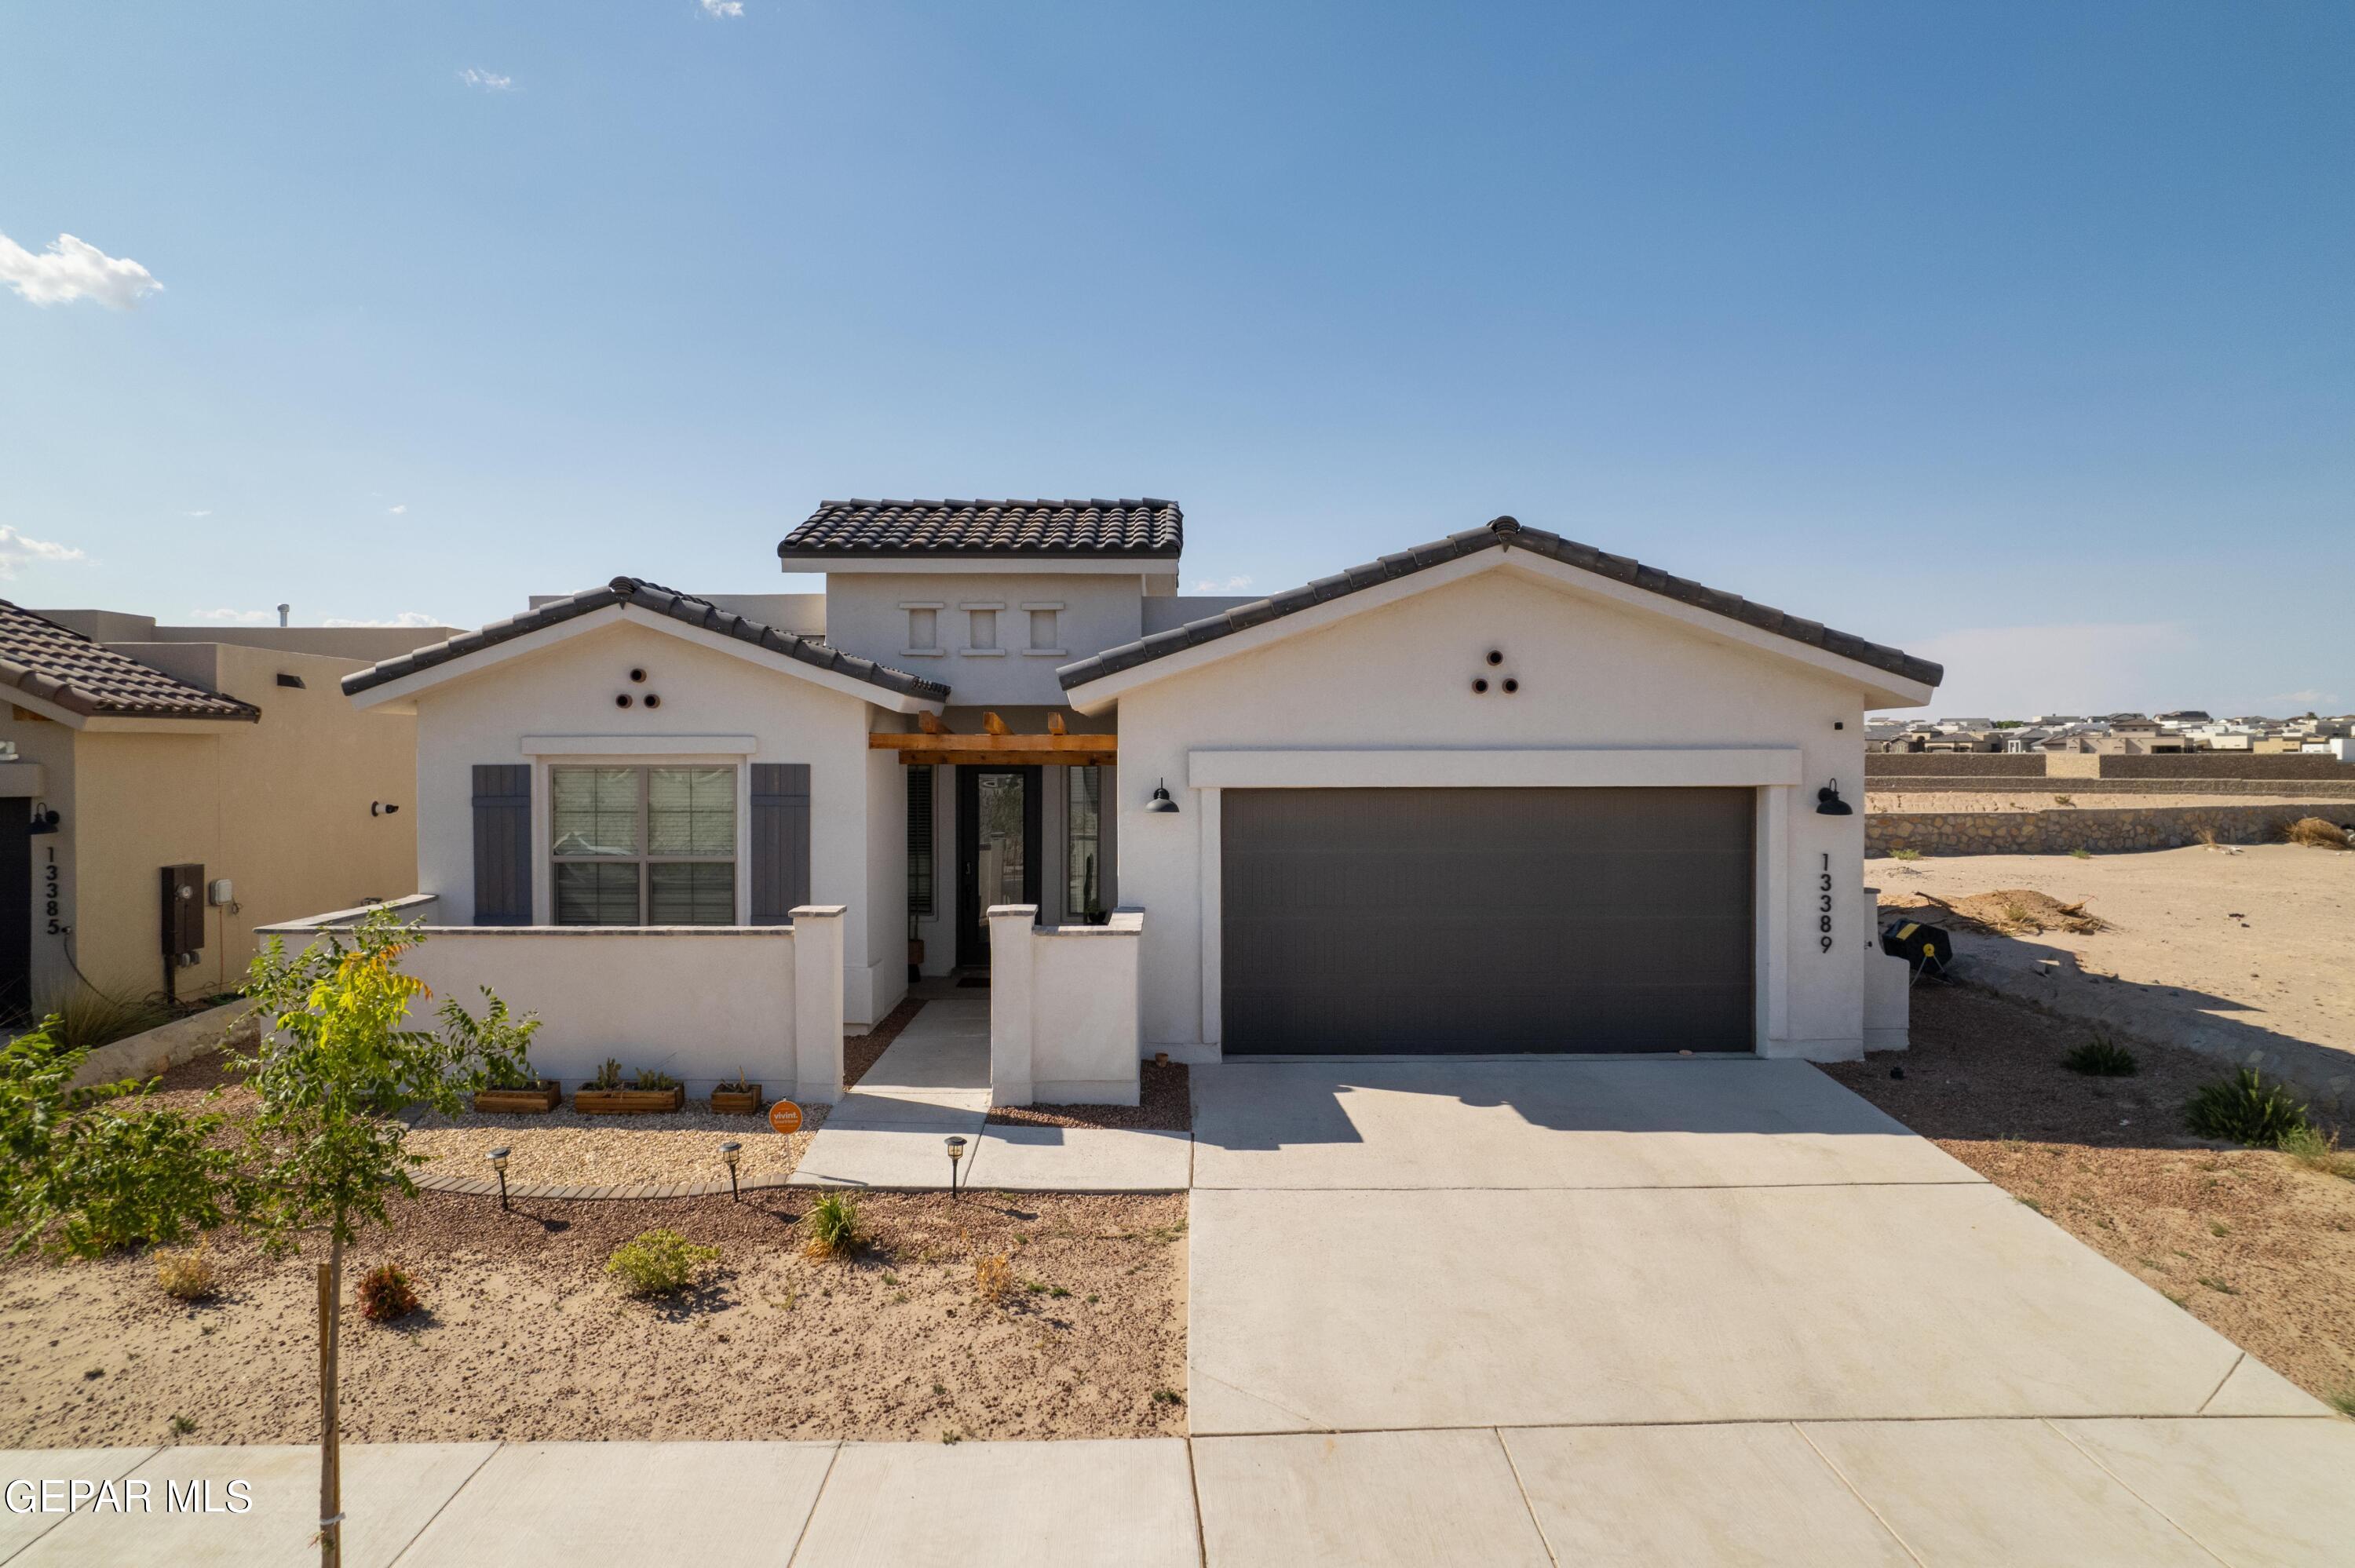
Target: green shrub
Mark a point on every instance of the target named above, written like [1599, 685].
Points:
[2318, 1151]
[648, 1078]
[1905, 856]
[2100, 1058]
[503, 1044]
[2243, 1109]
[87, 1018]
[2080, 852]
[659, 1262]
[386, 1293]
[832, 1224]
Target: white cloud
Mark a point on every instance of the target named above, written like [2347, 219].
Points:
[1233, 584]
[239, 616]
[15, 550]
[399, 511]
[70, 269]
[489, 82]
[206, 513]
[723, 7]
[406, 617]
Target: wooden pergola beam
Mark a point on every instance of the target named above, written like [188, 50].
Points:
[946, 747]
[1015, 758]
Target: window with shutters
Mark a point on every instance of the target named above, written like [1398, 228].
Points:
[644, 845]
[920, 841]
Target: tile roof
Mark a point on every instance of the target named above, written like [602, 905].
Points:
[871, 530]
[44, 660]
[680, 607]
[1504, 533]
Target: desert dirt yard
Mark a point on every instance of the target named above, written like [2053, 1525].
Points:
[2240, 954]
[2258, 1246]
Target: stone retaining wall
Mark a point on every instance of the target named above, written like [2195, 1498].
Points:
[2064, 829]
[1970, 764]
[168, 1045]
[2077, 767]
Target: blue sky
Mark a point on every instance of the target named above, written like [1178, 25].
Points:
[2018, 336]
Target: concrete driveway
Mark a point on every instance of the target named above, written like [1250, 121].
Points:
[1691, 1311]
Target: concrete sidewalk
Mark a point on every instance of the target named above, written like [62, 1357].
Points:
[2250, 1492]
[933, 1082]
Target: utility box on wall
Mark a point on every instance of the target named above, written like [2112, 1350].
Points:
[184, 913]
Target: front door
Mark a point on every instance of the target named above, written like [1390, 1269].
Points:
[997, 851]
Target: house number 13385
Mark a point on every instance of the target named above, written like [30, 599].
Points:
[1824, 918]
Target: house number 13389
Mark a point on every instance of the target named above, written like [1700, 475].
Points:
[1824, 918]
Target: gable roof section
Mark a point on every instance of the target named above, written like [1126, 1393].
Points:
[685, 608]
[1505, 532]
[890, 530]
[67, 670]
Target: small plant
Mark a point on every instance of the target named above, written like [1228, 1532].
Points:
[1167, 1396]
[649, 1078]
[188, 1276]
[2100, 1057]
[2205, 834]
[387, 1294]
[993, 1276]
[2080, 852]
[503, 1042]
[1905, 856]
[952, 1434]
[2343, 1401]
[833, 1225]
[740, 1084]
[2318, 1151]
[2063, 800]
[182, 1426]
[659, 1262]
[609, 1076]
[2243, 1109]
[2218, 1286]
[88, 1018]
[2315, 832]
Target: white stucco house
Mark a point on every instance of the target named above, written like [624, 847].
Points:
[1496, 793]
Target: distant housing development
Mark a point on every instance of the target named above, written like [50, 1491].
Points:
[2129, 735]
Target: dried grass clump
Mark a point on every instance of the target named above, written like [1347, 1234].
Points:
[2316, 833]
[993, 1276]
[188, 1276]
[2020, 912]
[387, 1294]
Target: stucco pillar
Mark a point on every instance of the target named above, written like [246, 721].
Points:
[818, 1003]
[1013, 1011]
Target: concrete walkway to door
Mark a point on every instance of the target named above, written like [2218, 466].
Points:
[1691, 1311]
[931, 1083]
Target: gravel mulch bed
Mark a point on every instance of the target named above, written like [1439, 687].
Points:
[2255, 1246]
[567, 1148]
[1165, 1102]
[860, 1050]
[524, 1338]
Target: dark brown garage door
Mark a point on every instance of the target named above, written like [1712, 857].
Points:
[1414, 921]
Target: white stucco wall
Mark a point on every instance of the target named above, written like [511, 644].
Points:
[565, 687]
[1593, 674]
[864, 615]
[1064, 1018]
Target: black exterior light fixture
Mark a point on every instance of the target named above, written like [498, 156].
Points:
[732, 1152]
[498, 1159]
[957, 1153]
[1161, 805]
[45, 820]
[1829, 804]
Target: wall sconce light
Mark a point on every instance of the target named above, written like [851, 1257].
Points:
[1829, 804]
[732, 1151]
[957, 1152]
[382, 807]
[1161, 805]
[45, 820]
[498, 1159]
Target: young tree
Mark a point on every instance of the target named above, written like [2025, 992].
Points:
[96, 1169]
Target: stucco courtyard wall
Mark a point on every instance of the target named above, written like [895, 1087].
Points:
[2101, 830]
[1592, 675]
[698, 1002]
[1063, 1010]
[715, 708]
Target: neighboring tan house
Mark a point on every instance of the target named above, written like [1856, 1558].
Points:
[221, 760]
[1499, 792]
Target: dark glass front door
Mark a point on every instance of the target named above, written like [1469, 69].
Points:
[997, 851]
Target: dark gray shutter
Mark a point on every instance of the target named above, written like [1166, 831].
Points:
[503, 844]
[780, 840]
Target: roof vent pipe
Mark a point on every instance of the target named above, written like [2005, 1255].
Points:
[281, 613]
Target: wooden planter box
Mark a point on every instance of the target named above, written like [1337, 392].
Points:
[737, 1102]
[537, 1100]
[627, 1102]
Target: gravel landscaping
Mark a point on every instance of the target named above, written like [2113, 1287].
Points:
[523, 1337]
[564, 1147]
[2254, 1243]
